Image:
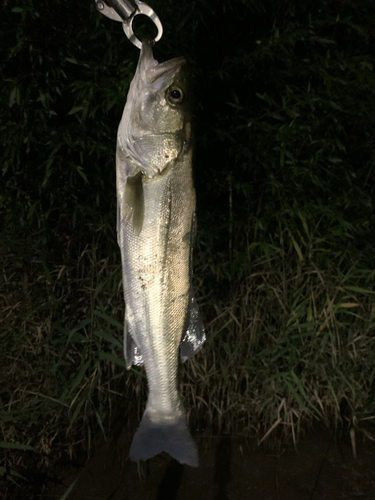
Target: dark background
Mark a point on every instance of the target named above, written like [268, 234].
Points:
[284, 260]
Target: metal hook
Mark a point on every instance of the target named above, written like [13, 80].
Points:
[125, 11]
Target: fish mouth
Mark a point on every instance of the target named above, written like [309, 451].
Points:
[152, 70]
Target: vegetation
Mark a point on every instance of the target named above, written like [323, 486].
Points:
[284, 266]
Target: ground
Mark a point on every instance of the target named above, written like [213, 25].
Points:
[322, 467]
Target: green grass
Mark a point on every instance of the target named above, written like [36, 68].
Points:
[287, 346]
[284, 267]
[291, 343]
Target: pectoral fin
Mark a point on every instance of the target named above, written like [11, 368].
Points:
[133, 203]
[195, 335]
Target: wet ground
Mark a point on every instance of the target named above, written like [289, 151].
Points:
[319, 469]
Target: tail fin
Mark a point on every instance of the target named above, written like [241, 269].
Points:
[152, 438]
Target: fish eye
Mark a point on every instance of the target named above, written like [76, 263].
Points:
[175, 95]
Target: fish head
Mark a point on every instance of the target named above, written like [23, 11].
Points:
[156, 125]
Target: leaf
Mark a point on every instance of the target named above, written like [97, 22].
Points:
[78, 327]
[79, 377]
[299, 385]
[109, 357]
[12, 97]
[294, 393]
[75, 109]
[333, 394]
[82, 174]
[282, 157]
[323, 41]
[333, 159]
[100, 422]
[99, 288]
[15, 446]
[71, 60]
[348, 304]
[78, 408]
[309, 314]
[335, 106]
[262, 97]
[110, 320]
[233, 105]
[109, 338]
[11, 474]
[297, 248]
[357, 289]
[43, 99]
[67, 492]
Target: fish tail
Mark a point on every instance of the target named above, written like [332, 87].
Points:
[172, 437]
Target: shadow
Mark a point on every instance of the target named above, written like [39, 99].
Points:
[319, 474]
[223, 473]
[171, 481]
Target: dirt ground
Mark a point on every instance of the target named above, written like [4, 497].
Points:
[319, 469]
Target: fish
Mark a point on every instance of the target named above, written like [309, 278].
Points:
[156, 225]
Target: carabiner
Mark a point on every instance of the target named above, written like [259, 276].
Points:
[125, 11]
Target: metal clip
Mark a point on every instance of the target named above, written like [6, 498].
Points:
[125, 11]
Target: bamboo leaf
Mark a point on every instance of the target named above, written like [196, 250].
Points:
[109, 357]
[110, 320]
[15, 446]
[68, 491]
[348, 304]
[297, 248]
[109, 338]
[79, 377]
[99, 288]
[357, 289]
[75, 110]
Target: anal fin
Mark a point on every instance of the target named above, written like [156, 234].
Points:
[132, 353]
[195, 335]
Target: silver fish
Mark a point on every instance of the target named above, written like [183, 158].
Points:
[155, 228]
